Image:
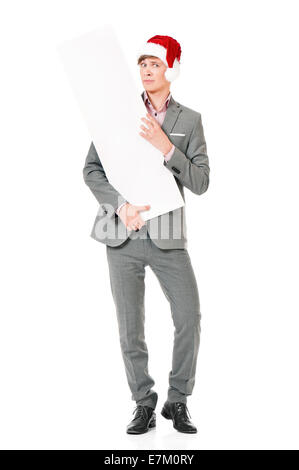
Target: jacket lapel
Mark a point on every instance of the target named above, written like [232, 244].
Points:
[172, 113]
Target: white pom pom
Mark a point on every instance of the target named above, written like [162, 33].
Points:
[172, 73]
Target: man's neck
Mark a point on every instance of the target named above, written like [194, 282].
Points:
[158, 98]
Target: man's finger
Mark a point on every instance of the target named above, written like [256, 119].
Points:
[152, 120]
[144, 128]
[143, 208]
[148, 123]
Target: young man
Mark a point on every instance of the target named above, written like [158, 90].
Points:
[177, 132]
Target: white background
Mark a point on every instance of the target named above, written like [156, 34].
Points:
[63, 383]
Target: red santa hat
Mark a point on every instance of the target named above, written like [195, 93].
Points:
[168, 50]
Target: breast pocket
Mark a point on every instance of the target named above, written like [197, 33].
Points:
[179, 139]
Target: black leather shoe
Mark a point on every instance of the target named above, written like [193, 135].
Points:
[144, 420]
[178, 413]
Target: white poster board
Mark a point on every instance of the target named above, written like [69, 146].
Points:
[112, 108]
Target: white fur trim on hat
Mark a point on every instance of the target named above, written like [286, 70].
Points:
[173, 73]
[156, 50]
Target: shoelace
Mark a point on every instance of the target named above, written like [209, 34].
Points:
[182, 409]
[141, 412]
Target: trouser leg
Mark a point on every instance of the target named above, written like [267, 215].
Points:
[175, 273]
[127, 273]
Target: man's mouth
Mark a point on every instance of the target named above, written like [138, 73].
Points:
[148, 81]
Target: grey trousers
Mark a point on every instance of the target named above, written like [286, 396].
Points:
[175, 274]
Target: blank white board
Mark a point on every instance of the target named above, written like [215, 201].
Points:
[112, 108]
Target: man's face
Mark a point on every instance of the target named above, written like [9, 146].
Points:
[152, 72]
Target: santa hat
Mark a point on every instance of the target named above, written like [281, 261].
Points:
[168, 50]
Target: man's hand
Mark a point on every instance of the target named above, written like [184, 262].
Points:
[130, 216]
[155, 134]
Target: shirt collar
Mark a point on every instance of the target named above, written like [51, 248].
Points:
[147, 100]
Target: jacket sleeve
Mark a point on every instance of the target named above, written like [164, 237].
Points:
[96, 179]
[192, 169]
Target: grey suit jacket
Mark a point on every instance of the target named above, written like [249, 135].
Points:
[189, 165]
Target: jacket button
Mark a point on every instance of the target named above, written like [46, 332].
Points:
[175, 169]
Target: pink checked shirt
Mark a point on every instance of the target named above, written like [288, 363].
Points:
[159, 116]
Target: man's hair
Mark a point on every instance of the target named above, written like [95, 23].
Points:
[145, 56]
